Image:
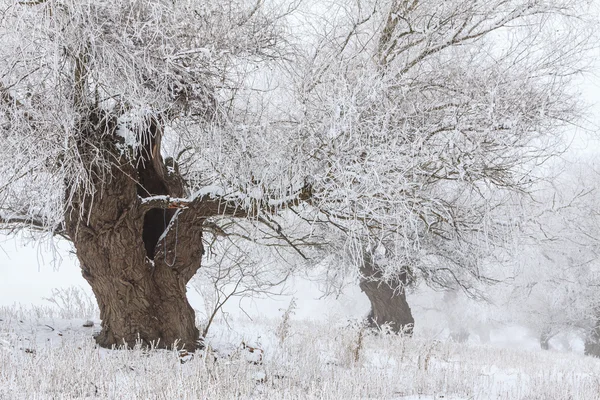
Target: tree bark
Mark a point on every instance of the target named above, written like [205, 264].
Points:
[137, 260]
[388, 298]
[137, 237]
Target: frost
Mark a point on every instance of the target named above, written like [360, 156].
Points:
[5, 345]
[168, 228]
[202, 51]
[131, 122]
[213, 191]
[281, 201]
[129, 137]
[316, 361]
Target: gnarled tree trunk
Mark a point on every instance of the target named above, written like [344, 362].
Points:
[388, 298]
[135, 251]
[138, 240]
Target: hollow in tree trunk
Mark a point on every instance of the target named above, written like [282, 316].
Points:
[388, 298]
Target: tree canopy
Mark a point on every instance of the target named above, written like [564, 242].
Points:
[132, 127]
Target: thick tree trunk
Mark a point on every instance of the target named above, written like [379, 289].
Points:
[139, 242]
[138, 301]
[137, 264]
[388, 299]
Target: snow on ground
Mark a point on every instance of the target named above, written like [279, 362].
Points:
[47, 353]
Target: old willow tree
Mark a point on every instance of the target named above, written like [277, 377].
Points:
[92, 95]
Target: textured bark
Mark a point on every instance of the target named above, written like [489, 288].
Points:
[388, 299]
[137, 260]
[137, 237]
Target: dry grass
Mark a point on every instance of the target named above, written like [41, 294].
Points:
[45, 357]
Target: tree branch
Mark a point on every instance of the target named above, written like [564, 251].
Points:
[181, 247]
[211, 202]
[18, 223]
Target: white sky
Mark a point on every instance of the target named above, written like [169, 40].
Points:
[29, 272]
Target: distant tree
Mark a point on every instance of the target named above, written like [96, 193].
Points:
[555, 288]
[426, 122]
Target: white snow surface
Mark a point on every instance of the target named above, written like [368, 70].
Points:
[47, 353]
[45, 356]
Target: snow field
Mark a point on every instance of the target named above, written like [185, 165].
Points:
[44, 355]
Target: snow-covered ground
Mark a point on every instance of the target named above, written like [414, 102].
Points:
[47, 353]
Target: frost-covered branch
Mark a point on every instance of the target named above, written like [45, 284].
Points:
[16, 223]
[429, 126]
[211, 201]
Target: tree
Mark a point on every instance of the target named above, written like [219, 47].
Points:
[91, 93]
[387, 295]
[561, 248]
[426, 122]
[552, 288]
[406, 126]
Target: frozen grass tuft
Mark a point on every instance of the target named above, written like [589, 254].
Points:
[45, 356]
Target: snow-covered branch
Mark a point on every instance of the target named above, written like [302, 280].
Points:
[16, 223]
